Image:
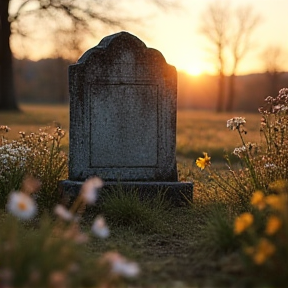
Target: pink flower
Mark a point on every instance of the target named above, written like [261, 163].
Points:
[89, 190]
[99, 227]
[63, 213]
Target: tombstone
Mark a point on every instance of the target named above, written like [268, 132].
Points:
[123, 103]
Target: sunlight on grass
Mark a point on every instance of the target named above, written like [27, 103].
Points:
[234, 232]
[199, 131]
[33, 117]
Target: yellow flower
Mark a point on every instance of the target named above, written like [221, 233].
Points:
[263, 250]
[275, 201]
[273, 225]
[278, 186]
[258, 199]
[203, 162]
[242, 222]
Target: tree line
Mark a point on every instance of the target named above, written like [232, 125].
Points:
[46, 81]
[228, 30]
[67, 21]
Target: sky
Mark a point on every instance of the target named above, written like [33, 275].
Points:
[175, 33]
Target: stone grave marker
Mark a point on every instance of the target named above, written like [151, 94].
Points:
[123, 105]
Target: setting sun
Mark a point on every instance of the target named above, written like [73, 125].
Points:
[194, 70]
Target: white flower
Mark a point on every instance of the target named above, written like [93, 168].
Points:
[63, 213]
[99, 227]
[239, 151]
[235, 122]
[21, 205]
[120, 265]
[125, 268]
[270, 165]
[89, 190]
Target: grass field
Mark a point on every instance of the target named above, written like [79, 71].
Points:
[169, 254]
[197, 131]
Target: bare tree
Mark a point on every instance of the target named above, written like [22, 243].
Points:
[274, 60]
[228, 31]
[240, 42]
[70, 15]
[214, 26]
[7, 93]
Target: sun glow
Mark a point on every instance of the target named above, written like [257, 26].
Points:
[194, 70]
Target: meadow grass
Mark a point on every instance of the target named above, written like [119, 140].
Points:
[33, 117]
[193, 246]
[199, 131]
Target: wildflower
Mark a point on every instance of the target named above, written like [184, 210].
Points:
[99, 227]
[89, 190]
[58, 279]
[262, 251]
[74, 233]
[30, 185]
[239, 151]
[270, 166]
[242, 222]
[258, 200]
[203, 162]
[120, 265]
[235, 123]
[21, 205]
[125, 268]
[63, 213]
[4, 128]
[273, 225]
[278, 186]
[275, 201]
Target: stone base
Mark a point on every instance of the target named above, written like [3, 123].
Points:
[176, 192]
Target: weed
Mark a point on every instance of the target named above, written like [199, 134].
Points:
[127, 209]
[38, 155]
[53, 253]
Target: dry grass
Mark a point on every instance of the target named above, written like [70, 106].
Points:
[33, 117]
[199, 131]
[171, 257]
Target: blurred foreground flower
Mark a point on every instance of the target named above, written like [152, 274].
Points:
[63, 213]
[276, 202]
[120, 265]
[21, 205]
[203, 162]
[262, 251]
[273, 225]
[30, 185]
[242, 222]
[258, 200]
[89, 190]
[99, 227]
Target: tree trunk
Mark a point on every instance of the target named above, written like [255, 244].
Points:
[231, 94]
[274, 80]
[220, 99]
[7, 93]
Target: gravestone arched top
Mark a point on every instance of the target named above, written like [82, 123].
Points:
[116, 44]
[124, 37]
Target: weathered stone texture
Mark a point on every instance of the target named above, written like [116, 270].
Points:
[123, 113]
